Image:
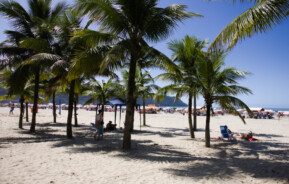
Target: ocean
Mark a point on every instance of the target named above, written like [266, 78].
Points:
[274, 109]
[278, 109]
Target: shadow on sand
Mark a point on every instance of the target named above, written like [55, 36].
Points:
[249, 158]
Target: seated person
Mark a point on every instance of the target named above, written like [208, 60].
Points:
[110, 126]
[248, 137]
[230, 133]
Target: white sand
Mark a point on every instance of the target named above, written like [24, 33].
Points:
[162, 153]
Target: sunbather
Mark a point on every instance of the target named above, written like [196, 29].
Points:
[226, 133]
[248, 137]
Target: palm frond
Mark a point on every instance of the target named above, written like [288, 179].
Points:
[36, 44]
[261, 17]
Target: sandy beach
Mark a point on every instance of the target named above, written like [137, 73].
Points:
[162, 152]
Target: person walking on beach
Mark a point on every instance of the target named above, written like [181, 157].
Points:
[11, 108]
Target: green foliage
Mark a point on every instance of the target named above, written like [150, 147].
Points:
[219, 84]
[101, 91]
[186, 53]
[261, 17]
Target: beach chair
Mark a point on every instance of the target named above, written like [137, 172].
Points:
[225, 133]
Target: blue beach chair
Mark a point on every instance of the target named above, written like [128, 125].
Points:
[225, 133]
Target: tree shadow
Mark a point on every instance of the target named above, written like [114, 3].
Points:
[200, 130]
[268, 135]
[257, 159]
[165, 132]
[147, 133]
[261, 159]
[42, 135]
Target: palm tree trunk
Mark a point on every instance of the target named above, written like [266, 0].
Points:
[70, 109]
[102, 108]
[130, 104]
[21, 112]
[27, 112]
[195, 112]
[190, 117]
[54, 107]
[75, 111]
[35, 100]
[96, 110]
[207, 130]
[144, 111]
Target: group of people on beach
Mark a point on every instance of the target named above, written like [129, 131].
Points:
[99, 125]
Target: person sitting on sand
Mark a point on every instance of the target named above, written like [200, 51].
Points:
[248, 137]
[110, 126]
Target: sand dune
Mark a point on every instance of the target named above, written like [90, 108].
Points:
[162, 152]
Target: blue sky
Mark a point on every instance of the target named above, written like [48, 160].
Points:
[265, 55]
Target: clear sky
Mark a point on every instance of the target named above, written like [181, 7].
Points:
[265, 55]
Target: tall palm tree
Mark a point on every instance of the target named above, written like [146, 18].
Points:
[145, 87]
[101, 91]
[219, 84]
[261, 17]
[80, 88]
[51, 87]
[133, 23]
[33, 25]
[58, 54]
[186, 53]
[66, 50]
[7, 77]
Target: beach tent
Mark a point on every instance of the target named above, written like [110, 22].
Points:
[116, 102]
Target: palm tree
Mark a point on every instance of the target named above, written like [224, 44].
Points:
[186, 53]
[8, 77]
[145, 87]
[58, 54]
[101, 91]
[132, 23]
[80, 88]
[261, 17]
[51, 88]
[219, 85]
[70, 22]
[5, 77]
[33, 27]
